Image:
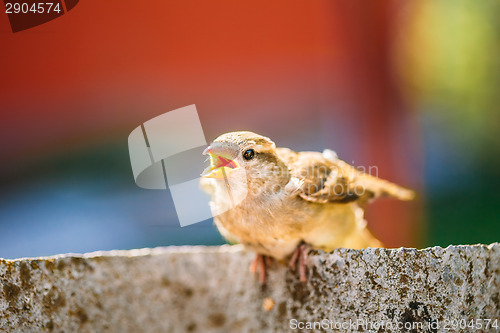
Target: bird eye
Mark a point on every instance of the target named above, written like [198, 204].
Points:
[248, 154]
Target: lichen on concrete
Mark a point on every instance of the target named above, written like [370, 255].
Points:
[209, 289]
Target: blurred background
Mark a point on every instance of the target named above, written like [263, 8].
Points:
[409, 87]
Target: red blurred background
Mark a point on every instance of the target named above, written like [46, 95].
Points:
[308, 74]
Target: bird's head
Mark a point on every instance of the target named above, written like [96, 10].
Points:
[244, 157]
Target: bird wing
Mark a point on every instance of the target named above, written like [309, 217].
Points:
[325, 178]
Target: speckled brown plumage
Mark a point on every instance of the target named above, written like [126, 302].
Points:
[287, 198]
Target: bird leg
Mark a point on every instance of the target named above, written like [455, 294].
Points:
[300, 257]
[259, 264]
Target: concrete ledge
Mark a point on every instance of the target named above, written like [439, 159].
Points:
[209, 289]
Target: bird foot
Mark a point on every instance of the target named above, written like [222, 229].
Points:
[300, 257]
[260, 264]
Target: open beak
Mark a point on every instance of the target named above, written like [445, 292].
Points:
[221, 163]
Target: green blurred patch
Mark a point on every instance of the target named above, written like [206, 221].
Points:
[464, 219]
[448, 55]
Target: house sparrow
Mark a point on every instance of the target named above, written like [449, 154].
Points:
[279, 203]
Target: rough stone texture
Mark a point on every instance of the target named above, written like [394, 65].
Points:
[209, 289]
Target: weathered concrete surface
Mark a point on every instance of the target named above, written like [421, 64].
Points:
[209, 289]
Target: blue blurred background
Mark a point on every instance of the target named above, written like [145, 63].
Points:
[409, 87]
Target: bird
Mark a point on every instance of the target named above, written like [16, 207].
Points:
[281, 203]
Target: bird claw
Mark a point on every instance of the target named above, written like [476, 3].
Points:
[300, 257]
[260, 264]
